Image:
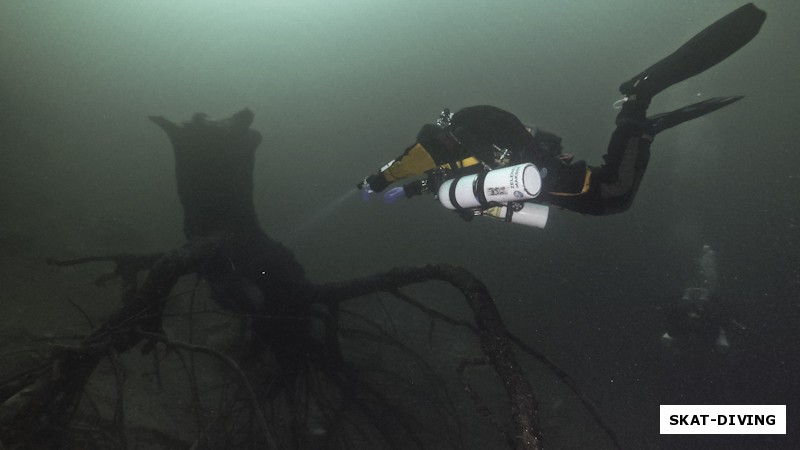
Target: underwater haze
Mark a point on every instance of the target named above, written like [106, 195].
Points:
[339, 88]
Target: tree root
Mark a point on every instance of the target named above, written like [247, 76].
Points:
[49, 395]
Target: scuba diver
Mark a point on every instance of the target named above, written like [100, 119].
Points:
[695, 317]
[699, 341]
[483, 161]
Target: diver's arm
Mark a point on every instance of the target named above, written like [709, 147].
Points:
[452, 147]
[434, 147]
[414, 161]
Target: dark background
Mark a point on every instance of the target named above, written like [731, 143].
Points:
[340, 88]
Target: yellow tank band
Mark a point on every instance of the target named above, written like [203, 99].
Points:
[471, 161]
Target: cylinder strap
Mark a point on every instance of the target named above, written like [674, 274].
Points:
[452, 194]
[477, 189]
[509, 213]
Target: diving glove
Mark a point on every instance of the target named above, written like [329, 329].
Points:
[373, 183]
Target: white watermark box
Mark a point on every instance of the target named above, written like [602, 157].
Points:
[723, 419]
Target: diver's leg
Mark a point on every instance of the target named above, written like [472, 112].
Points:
[706, 49]
[613, 185]
[616, 182]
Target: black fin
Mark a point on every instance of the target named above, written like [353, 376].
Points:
[660, 122]
[706, 49]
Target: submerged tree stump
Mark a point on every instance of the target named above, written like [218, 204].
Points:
[214, 163]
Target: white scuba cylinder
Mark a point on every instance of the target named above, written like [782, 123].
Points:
[530, 214]
[509, 184]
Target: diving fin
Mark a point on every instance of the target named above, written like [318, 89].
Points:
[706, 49]
[660, 122]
